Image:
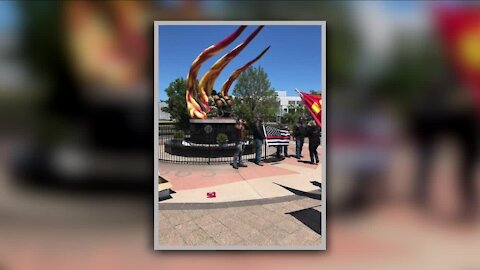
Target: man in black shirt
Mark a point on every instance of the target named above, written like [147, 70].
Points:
[313, 133]
[299, 132]
[258, 136]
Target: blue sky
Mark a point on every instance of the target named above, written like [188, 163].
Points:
[293, 61]
[9, 16]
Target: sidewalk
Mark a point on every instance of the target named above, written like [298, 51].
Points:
[287, 177]
[295, 223]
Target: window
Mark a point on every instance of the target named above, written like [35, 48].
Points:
[291, 102]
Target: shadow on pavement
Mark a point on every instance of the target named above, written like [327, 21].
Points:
[310, 217]
[312, 195]
[269, 160]
[316, 183]
[273, 160]
[304, 161]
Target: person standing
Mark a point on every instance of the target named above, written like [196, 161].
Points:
[283, 147]
[313, 133]
[258, 136]
[239, 144]
[299, 132]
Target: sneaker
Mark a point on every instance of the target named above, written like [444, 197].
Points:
[259, 164]
[301, 156]
[316, 163]
[242, 165]
[235, 167]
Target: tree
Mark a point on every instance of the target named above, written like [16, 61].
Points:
[176, 102]
[254, 95]
[294, 112]
[411, 71]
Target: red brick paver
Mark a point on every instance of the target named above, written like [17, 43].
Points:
[185, 176]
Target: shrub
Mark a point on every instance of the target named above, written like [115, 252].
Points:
[179, 134]
[222, 138]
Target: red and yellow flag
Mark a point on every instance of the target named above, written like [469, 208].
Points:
[314, 106]
[460, 30]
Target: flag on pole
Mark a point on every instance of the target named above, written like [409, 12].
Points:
[460, 29]
[275, 136]
[313, 104]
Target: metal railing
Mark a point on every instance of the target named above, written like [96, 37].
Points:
[180, 150]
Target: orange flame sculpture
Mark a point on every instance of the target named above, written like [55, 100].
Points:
[199, 95]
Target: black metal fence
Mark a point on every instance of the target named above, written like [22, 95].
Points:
[175, 147]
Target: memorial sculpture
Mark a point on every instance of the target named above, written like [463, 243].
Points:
[200, 98]
[211, 111]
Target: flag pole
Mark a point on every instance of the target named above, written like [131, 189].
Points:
[301, 96]
[265, 143]
[298, 91]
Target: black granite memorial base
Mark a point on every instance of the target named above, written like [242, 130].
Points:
[189, 149]
[205, 131]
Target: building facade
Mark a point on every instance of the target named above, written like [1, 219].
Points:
[161, 114]
[287, 103]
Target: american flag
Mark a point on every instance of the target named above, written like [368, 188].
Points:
[275, 136]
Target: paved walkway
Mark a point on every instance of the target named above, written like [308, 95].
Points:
[278, 204]
[277, 178]
[292, 223]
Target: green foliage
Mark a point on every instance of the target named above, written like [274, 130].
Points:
[179, 134]
[43, 36]
[291, 118]
[222, 138]
[410, 73]
[254, 95]
[176, 102]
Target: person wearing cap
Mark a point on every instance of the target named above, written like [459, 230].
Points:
[299, 132]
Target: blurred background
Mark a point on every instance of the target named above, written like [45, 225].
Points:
[76, 102]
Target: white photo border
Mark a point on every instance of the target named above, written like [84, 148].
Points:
[156, 232]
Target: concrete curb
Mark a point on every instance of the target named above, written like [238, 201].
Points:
[192, 206]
